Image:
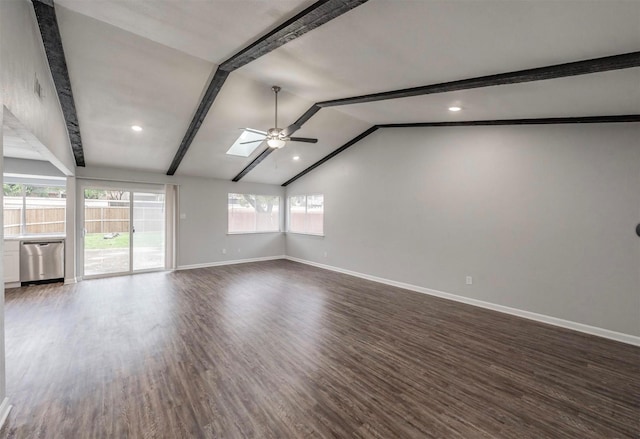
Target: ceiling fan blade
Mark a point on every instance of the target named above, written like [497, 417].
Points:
[251, 130]
[253, 141]
[303, 139]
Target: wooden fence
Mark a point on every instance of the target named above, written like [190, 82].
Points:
[106, 219]
[48, 220]
[311, 222]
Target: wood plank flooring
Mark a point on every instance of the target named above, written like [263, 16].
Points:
[282, 350]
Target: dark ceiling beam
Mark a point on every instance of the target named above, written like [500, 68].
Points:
[541, 121]
[312, 17]
[203, 108]
[607, 63]
[616, 62]
[255, 162]
[301, 120]
[50, 33]
[351, 142]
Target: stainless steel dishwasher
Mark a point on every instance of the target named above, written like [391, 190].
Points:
[41, 260]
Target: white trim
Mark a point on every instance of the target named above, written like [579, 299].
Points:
[254, 233]
[580, 327]
[5, 408]
[17, 284]
[123, 273]
[70, 281]
[321, 235]
[237, 261]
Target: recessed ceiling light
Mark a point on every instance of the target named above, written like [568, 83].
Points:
[136, 127]
[296, 157]
[455, 109]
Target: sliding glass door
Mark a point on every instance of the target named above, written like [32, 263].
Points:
[124, 231]
[148, 231]
[107, 225]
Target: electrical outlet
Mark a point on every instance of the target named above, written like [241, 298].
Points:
[238, 250]
[325, 254]
[183, 216]
[224, 251]
[469, 280]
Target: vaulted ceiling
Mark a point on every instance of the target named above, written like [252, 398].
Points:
[148, 63]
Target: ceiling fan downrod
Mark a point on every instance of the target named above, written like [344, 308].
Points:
[276, 89]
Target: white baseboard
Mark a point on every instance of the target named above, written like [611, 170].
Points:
[593, 330]
[5, 408]
[12, 285]
[233, 262]
[70, 281]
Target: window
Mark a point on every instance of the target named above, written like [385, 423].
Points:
[31, 209]
[250, 213]
[306, 214]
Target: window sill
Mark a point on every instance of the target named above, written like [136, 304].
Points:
[321, 235]
[253, 233]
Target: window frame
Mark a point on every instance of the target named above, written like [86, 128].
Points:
[255, 232]
[306, 212]
[23, 210]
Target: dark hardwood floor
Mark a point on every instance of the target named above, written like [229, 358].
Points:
[282, 350]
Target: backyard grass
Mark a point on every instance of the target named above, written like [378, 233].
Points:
[142, 239]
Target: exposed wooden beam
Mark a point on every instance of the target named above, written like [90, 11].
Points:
[616, 62]
[50, 33]
[301, 120]
[351, 142]
[541, 121]
[312, 17]
[203, 108]
[255, 162]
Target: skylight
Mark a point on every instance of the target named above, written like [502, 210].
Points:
[248, 135]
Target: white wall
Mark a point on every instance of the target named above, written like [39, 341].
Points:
[3, 389]
[542, 217]
[23, 59]
[203, 233]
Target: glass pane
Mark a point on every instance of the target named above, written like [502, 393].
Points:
[106, 223]
[148, 231]
[242, 214]
[45, 210]
[267, 213]
[315, 214]
[297, 213]
[12, 209]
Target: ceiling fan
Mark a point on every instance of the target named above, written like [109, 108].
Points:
[275, 137]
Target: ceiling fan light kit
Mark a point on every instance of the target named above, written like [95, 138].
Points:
[276, 143]
[275, 137]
